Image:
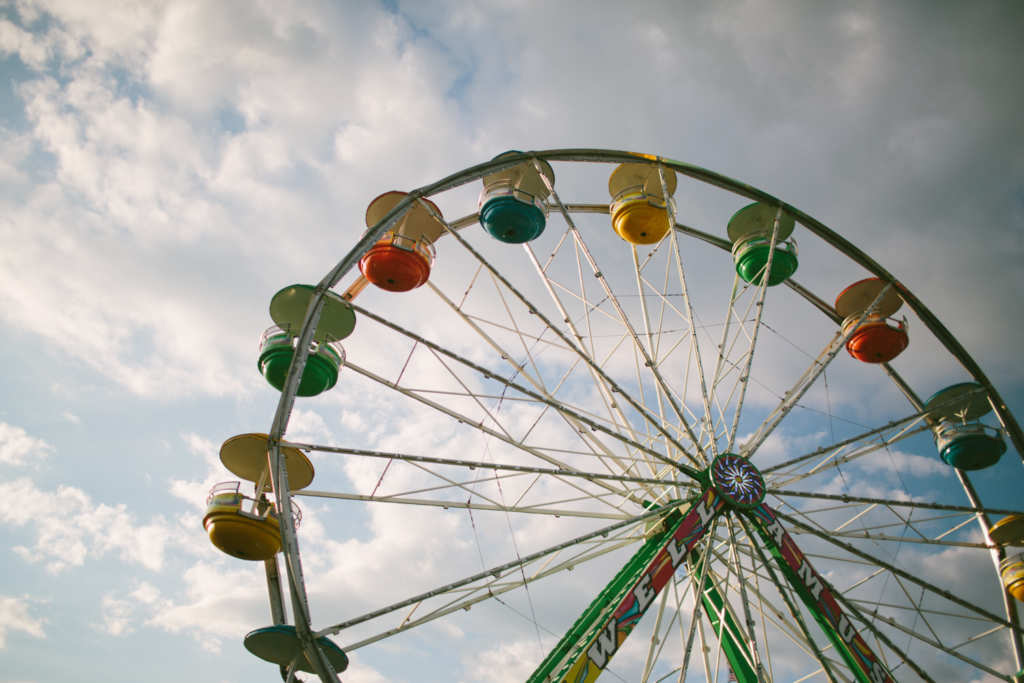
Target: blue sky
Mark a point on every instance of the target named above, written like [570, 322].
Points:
[168, 166]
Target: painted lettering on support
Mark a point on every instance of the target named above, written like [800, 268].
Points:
[638, 599]
[706, 510]
[643, 593]
[811, 580]
[825, 602]
[846, 629]
[676, 553]
[605, 645]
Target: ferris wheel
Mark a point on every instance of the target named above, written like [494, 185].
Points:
[627, 423]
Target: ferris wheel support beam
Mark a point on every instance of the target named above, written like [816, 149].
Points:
[587, 648]
[731, 638]
[819, 597]
[793, 611]
[274, 590]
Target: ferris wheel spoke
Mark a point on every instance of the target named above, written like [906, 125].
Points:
[696, 584]
[477, 424]
[836, 458]
[498, 571]
[846, 450]
[890, 502]
[726, 365]
[486, 430]
[618, 420]
[606, 390]
[881, 637]
[599, 447]
[935, 643]
[744, 601]
[729, 637]
[464, 598]
[652, 350]
[748, 360]
[624, 320]
[871, 532]
[547, 508]
[641, 410]
[479, 464]
[648, 362]
[807, 379]
[793, 395]
[677, 261]
[673, 603]
[652, 647]
[795, 614]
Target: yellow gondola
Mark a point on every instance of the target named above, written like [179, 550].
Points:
[241, 526]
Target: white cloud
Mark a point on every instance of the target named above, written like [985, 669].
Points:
[504, 663]
[195, 492]
[218, 603]
[122, 612]
[15, 616]
[897, 461]
[17, 447]
[117, 615]
[308, 426]
[69, 527]
[359, 672]
[29, 49]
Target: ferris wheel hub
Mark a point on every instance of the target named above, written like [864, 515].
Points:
[736, 480]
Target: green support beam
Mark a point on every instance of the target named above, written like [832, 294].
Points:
[586, 649]
[819, 598]
[734, 645]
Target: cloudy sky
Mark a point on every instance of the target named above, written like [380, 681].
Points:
[168, 166]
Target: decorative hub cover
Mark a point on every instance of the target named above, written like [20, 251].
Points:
[736, 480]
